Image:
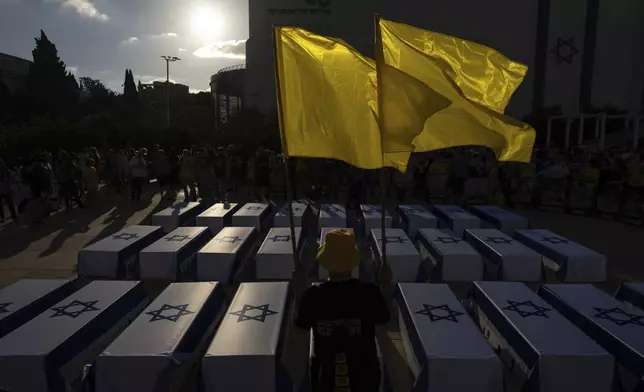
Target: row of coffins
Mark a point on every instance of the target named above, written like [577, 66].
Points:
[448, 244]
[564, 337]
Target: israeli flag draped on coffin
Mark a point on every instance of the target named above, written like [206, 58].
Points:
[332, 215]
[173, 254]
[251, 215]
[49, 352]
[275, 260]
[415, 217]
[444, 348]
[323, 274]
[169, 333]
[371, 216]
[245, 354]
[282, 219]
[456, 219]
[217, 217]
[571, 261]
[402, 256]
[112, 256]
[182, 214]
[546, 347]
[501, 219]
[218, 260]
[509, 259]
[27, 298]
[452, 258]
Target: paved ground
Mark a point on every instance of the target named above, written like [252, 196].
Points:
[49, 249]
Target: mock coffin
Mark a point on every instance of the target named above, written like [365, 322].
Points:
[507, 259]
[116, 256]
[456, 219]
[498, 218]
[218, 260]
[282, 219]
[274, 260]
[614, 325]
[332, 215]
[415, 217]
[571, 262]
[543, 346]
[251, 215]
[181, 214]
[217, 217]
[323, 274]
[49, 352]
[168, 337]
[444, 348]
[452, 258]
[632, 293]
[245, 354]
[371, 217]
[402, 256]
[27, 298]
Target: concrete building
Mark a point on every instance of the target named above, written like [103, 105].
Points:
[580, 52]
[227, 89]
[14, 71]
[158, 90]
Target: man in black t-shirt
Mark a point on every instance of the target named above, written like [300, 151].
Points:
[342, 313]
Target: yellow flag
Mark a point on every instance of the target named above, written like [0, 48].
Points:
[455, 95]
[327, 97]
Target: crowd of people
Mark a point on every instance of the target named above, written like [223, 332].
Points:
[610, 181]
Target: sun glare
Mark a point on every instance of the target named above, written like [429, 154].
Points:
[206, 21]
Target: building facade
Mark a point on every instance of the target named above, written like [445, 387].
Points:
[579, 52]
[227, 89]
[14, 71]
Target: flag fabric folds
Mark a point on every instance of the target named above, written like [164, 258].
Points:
[327, 97]
[437, 91]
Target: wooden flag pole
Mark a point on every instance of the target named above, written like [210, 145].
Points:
[383, 172]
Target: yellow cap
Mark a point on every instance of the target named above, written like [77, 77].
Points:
[339, 253]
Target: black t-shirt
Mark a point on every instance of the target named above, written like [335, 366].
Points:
[343, 316]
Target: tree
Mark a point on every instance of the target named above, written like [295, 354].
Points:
[129, 88]
[51, 88]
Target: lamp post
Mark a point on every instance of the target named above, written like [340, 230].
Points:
[168, 59]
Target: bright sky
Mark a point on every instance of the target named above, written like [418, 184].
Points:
[101, 38]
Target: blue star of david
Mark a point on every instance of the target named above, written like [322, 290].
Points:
[498, 240]
[230, 239]
[65, 310]
[519, 307]
[177, 238]
[448, 240]
[4, 306]
[158, 314]
[243, 316]
[394, 240]
[623, 317]
[125, 236]
[555, 240]
[254, 208]
[280, 238]
[565, 50]
[447, 313]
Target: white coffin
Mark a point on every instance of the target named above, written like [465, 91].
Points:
[452, 258]
[415, 217]
[168, 335]
[616, 326]
[182, 214]
[27, 298]
[402, 256]
[217, 217]
[332, 215]
[545, 346]
[572, 262]
[251, 215]
[508, 259]
[323, 274]
[444, 348]
[282, 218]
[633, 293]
[218, 260]
[495, 217]
[456, 219]
[275, 260]
[49, 352]
[371, 217]
[117, 255]
[173, 255]
[245, 354]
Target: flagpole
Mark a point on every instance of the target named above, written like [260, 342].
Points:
[383, 173]
[287, 174]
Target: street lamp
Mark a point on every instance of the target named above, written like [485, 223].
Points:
[168, 59]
